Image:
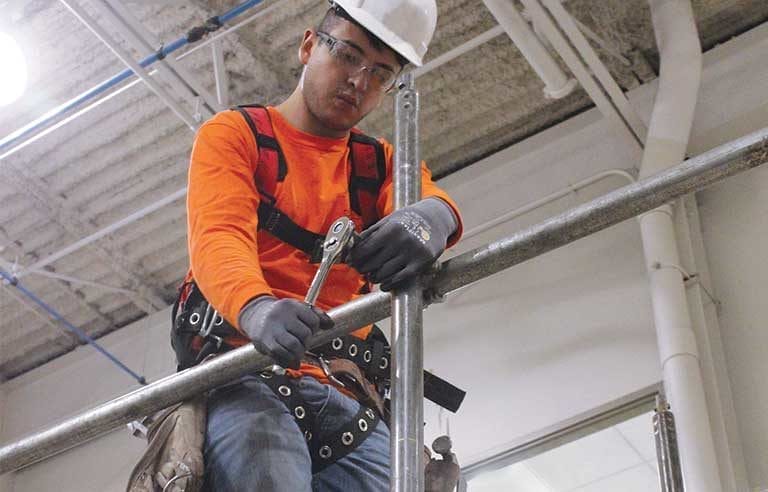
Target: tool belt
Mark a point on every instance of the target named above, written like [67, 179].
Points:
[199, 331]
[174, 458]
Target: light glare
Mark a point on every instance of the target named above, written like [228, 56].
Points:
[13, 82]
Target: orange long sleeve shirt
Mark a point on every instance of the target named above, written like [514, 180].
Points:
[231, 260]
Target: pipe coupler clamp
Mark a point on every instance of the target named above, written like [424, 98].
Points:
[430, 295]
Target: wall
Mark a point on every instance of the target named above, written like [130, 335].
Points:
[537, 344]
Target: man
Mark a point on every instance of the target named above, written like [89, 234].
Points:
[249, 265]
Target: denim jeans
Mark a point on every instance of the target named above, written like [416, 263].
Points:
[254, 444]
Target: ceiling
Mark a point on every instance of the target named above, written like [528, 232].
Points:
[131, 150]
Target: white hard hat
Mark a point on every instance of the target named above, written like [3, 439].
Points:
[406, 26]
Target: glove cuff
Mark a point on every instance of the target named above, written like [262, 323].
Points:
[439, 215]
[254, 310]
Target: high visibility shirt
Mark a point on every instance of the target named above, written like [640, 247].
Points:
[231, 260]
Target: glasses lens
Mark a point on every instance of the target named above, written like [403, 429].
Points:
[383, 77]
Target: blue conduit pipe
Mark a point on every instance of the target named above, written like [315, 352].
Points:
[69, 326]
[193, 35]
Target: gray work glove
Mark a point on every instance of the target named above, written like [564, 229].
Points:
[403, 244]
[280, 327]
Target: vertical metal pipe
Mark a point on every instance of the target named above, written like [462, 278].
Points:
[670, 474]
[407, 441]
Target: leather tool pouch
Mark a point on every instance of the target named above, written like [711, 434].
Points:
[176, 436]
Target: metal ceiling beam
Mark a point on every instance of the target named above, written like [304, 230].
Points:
[51, 119]
[110, 252]
[142, 40]
[126, 58]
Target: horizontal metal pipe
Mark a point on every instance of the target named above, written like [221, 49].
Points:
[632, 200]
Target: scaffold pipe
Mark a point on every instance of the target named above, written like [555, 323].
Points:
[627, 202]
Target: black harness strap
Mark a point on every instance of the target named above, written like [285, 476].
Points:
[368, 173]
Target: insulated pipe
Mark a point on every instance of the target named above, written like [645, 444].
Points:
[695, 174]
[569, 27]
[506, 217]
[607, 107]
[126, 58]
[668, 134]
[19, 135]
[407, 440]
[556, 83]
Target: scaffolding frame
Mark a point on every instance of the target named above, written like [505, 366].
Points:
[624, 203]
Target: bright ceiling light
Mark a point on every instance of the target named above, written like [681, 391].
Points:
[14, 67]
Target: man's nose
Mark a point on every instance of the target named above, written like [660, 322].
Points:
[360, 79]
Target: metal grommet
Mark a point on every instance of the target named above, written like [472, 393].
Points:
[384, 363]
[363, 425]
[307, 436]
[299, 412]
[370, 414]
[367, 356]
[353, 350]
[337, 344]
[284, 390]
[347, 438]
[194, 319]
[218, 321]
[266, 375]
[325, 452]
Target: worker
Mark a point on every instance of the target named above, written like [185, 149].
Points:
[265, 184]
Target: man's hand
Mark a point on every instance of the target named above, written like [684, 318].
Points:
[280, 328]
[402, 245]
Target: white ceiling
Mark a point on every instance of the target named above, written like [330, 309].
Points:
[131, 151]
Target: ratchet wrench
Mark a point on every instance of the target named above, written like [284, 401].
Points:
[337, 242]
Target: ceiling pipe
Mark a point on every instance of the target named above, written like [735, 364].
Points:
[571, 58]
[666, 145]
[81, 335]
[579, 41]
[126, 58]
[17, 139]
[181, 80]
[556, 83]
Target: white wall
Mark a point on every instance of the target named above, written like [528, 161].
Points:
[76, 382]
[546, 340]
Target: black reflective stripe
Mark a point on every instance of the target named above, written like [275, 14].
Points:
[277, 223]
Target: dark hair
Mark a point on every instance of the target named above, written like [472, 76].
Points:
[336, 14]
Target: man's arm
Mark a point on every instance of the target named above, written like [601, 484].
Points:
[222, 205]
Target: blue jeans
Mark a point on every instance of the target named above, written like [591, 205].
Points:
[254, 444]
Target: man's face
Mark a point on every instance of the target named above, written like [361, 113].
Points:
[337, 96]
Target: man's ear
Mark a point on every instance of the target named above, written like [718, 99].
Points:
[307, 44]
